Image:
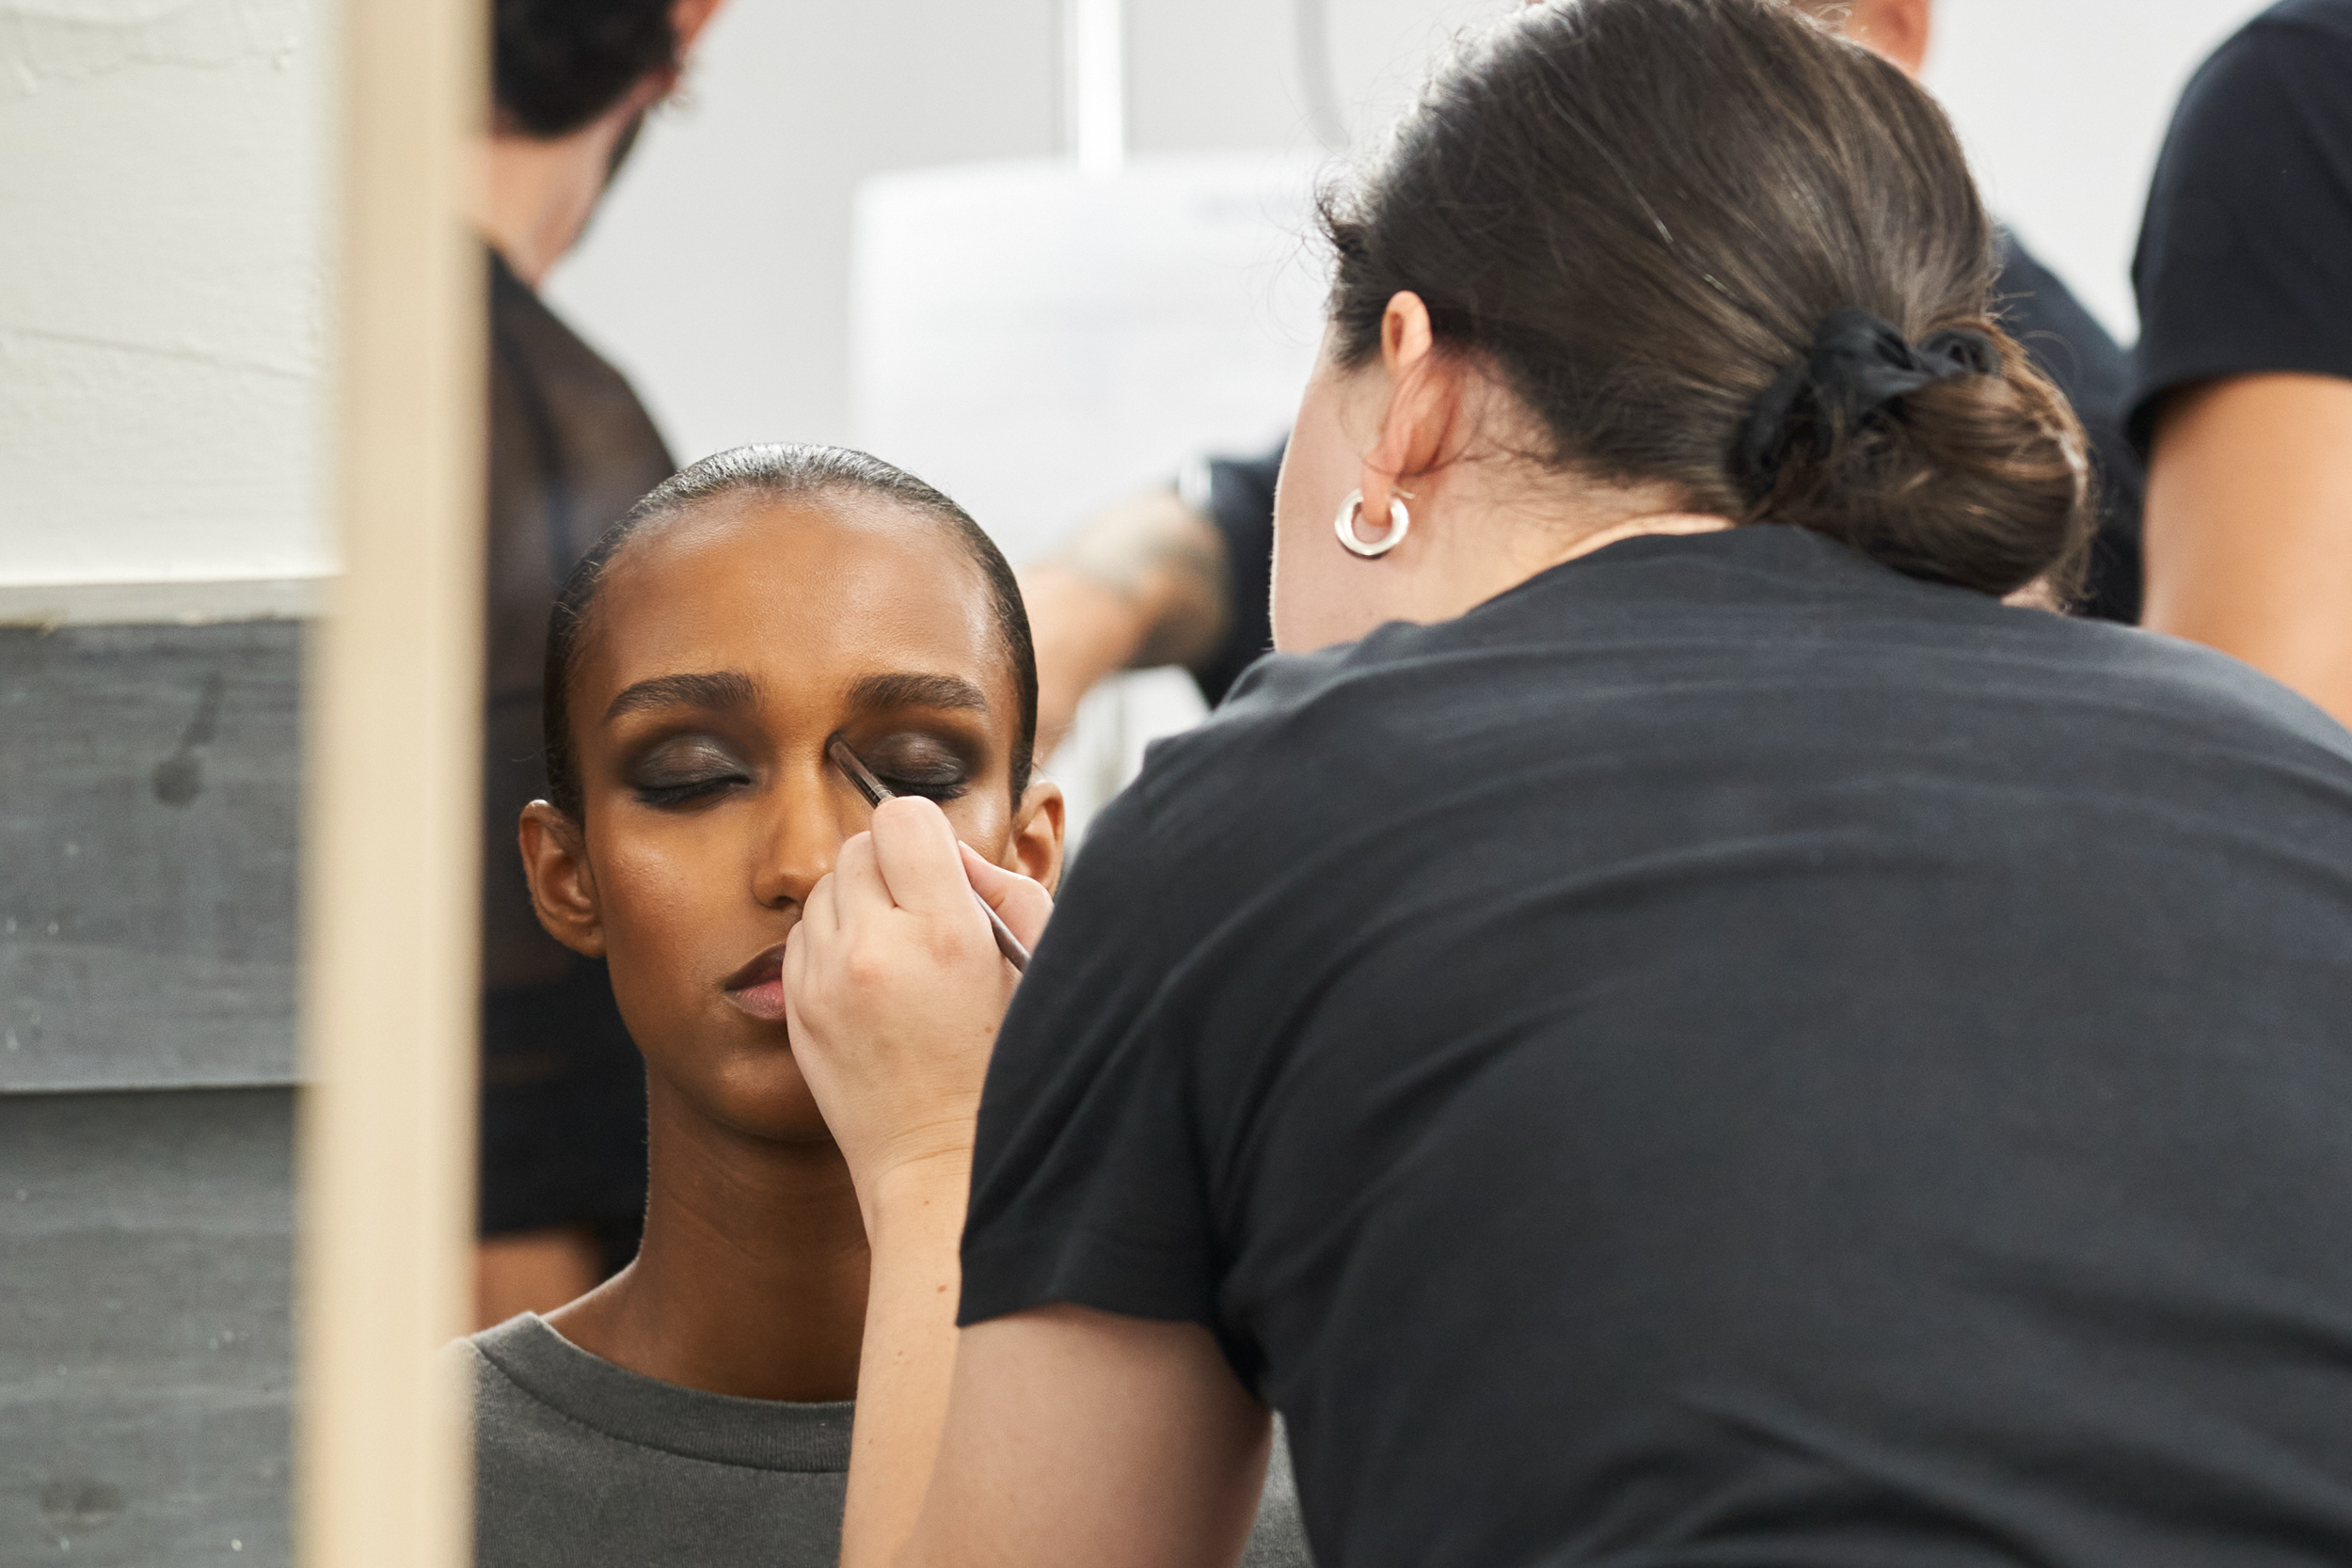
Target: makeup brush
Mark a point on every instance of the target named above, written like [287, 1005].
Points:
[876, 792]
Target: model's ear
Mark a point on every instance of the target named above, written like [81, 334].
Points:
[1034, 848]
[563, 889]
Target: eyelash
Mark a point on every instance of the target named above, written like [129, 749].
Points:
[665, 797]
[943, 793]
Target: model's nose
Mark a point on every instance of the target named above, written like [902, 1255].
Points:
[800, 833]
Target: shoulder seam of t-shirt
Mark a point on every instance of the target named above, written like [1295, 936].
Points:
[799, 1452]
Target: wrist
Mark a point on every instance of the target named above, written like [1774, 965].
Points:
[916, 1195]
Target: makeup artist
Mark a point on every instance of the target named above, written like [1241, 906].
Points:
[1688, 1032]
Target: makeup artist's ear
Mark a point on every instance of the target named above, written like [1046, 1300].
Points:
[1419, 425]
[1034, 847]
[563, 889]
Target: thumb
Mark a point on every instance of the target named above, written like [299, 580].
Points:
[1023, 904]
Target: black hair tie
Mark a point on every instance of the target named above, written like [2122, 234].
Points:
[1859, 366]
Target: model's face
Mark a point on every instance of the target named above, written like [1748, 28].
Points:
[727, 649]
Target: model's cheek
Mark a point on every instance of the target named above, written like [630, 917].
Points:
[983, 819]
[669, 907]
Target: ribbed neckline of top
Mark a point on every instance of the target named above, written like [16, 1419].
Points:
[764, 1435]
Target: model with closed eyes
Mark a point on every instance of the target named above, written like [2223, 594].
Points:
[749, 615]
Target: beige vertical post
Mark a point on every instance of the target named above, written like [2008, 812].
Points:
[393, 722]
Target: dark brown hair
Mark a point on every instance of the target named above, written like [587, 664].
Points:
[555, 64]
[776, 471]
[1638, 213]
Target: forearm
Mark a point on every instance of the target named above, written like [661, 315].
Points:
[1080, 1439]
[1084, 631]
[1142, 584]
[914, 1221]
[2249, 527]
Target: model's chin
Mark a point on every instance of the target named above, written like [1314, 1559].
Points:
[758, 1092]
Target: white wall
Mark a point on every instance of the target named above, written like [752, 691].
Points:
[163, 241]
[719, 272]
[162, 256]
[2064, 104]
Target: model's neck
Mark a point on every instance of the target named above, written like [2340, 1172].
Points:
[752, 1278]
[535, 197]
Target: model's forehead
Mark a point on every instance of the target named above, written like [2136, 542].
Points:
[830, 584]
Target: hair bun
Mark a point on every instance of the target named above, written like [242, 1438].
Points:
[1956, 460]
[1858, 367]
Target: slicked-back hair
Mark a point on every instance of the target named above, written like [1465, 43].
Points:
[777, 472]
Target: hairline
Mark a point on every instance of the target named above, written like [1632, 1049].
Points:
[660, 509]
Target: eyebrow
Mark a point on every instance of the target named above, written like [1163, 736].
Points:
[913, 690]
[723, 689]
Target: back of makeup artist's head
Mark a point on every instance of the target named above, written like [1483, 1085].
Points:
[1614, 224]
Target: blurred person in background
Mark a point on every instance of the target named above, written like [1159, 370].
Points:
[1181, 575]
[562, 1172]
[2244, 395]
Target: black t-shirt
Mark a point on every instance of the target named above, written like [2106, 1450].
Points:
[563, 1087]
[1724, 1055]
[1238, 497]
[2245, 262]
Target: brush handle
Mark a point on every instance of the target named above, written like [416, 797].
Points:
[876, 792]
[1007, 944]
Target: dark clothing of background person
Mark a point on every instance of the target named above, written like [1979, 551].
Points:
[2064, 341]
[2245, 263]
[563, 1087]
[1723, 1053]
[2067, 344]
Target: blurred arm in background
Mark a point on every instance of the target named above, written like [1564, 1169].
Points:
[1140, 584]
[2244, 399]
[1180, 575]
[2249, 526]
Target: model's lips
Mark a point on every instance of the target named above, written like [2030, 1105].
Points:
[757, 988]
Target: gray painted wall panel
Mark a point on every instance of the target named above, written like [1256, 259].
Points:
[146, 1268]
[150, 803]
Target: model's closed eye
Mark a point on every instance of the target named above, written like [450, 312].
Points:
[687, 769]
[911, 763]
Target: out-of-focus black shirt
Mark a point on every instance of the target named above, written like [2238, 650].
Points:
[2062, 338]
[2245, 263]
[571, 450]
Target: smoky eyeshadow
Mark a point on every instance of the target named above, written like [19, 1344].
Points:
[919, 763]
[685, 762]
